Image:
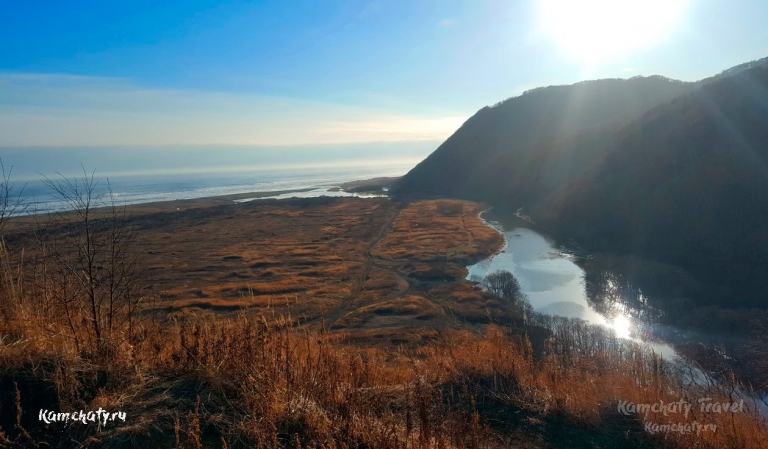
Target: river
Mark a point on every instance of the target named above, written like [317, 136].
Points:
[554, 284]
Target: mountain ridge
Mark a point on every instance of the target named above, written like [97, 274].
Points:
[608, 163]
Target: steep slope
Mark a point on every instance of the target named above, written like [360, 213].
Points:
[668, 170]
[686, 184]
[524, 135]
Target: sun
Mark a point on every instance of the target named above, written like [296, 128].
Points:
[595, 30]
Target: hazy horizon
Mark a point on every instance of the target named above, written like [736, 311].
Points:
[266, 73]
[29, 163]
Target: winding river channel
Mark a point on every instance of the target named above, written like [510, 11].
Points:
[554, 283]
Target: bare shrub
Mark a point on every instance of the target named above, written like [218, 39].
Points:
[85, 273]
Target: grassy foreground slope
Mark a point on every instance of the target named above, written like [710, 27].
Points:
[408, 356]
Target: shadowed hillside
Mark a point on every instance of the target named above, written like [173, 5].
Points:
[667, 170]
[500, 147]
[687, 184]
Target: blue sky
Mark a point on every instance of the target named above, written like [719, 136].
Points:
[301, 72]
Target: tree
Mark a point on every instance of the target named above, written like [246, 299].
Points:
[10, 289]
[10, 200]
[504, 285]
[87, 273]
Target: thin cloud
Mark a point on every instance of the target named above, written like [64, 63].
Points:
[59, 110]
[447, 23]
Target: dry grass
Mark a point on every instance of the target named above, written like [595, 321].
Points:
[439, 230]
[389, 313]
[254, 383]
[412, 361]
[308, 258]
[249, 256]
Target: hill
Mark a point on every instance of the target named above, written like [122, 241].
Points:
[687, 184]
[497, 150]
[668, 170]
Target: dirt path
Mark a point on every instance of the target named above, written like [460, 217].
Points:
[466, 230]
[397, 268]
[333, 316]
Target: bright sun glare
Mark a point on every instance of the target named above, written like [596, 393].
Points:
[622, 326]
[594, 30]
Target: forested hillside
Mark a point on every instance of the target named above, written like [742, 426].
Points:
[687, 184]
[663, 169]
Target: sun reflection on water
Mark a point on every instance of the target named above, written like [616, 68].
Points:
[622, 325]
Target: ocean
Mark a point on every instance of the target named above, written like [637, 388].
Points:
[38, 197]
[143, 175]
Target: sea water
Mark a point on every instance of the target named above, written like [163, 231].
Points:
[147, 174]
[38, 196]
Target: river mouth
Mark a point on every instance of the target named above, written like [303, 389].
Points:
[555, 285]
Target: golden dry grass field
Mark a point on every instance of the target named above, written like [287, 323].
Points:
[313, 323]
[367, 267]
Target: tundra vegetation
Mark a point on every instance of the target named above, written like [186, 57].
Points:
[332, 323]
